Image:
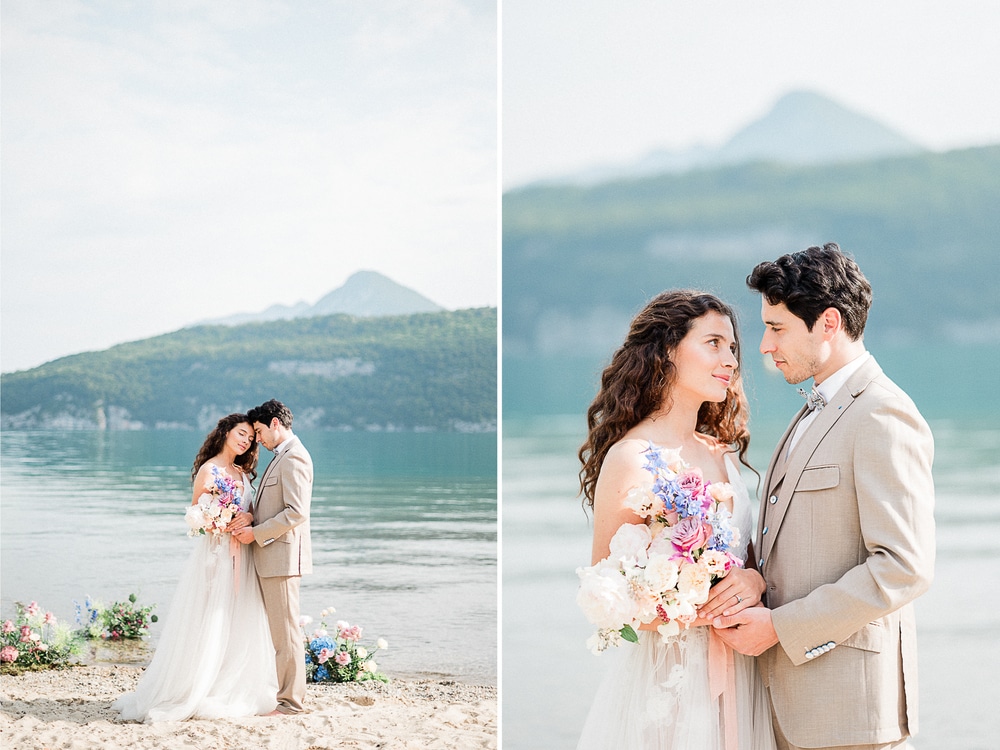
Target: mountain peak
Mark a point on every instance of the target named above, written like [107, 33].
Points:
[365, 294]
[370, 294]
[804, 127]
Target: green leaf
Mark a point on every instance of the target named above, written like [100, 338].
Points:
[629, 635]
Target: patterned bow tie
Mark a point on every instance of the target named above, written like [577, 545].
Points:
[814, 399]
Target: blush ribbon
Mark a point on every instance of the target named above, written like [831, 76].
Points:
[722, 684]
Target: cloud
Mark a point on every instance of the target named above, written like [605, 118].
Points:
[167, 162]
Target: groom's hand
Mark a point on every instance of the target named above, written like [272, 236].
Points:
[750, 632]
[244, 535]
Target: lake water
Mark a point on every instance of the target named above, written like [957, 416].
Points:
[404, 534]
[549, 677]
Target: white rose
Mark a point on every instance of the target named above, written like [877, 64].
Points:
[661, 543]
[362, 652]
[661, 573]
[603, 597]
[630, 543]
[195, 518]
[370, 666]
[382, 643]
[694, 582]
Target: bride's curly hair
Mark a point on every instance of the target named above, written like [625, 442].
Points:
[638, 381]
[217, 438]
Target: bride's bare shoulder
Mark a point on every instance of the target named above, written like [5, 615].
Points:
[624, 463]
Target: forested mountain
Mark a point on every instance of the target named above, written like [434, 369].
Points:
[422, 371]
[579, 262]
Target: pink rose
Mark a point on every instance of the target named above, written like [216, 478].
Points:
[691, 481]
[8, 654]
[32, 609]
[342, 658]
[50, 619]
[324, 654]
[690, 534]
[8, 626]
[25, 633]
[352, 633]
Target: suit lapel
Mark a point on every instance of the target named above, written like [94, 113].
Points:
[781, 483]
[775, 471]
[274, 461]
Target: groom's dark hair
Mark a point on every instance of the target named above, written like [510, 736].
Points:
[813, 280]
[270, 410]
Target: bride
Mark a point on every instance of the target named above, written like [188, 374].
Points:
[674, 384]
[215, 657]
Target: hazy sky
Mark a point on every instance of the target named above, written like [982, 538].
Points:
[592, 82]
[175, 160]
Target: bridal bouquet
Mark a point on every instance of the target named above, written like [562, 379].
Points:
[216, 506]
[662, 568]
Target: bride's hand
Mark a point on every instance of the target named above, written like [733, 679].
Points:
[240, 521]
[740, 589]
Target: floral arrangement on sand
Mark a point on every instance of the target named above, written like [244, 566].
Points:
[338, 656]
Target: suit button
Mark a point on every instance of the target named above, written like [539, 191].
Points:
[773, 499]
[772, 588]
[765, 530]
[762, 562]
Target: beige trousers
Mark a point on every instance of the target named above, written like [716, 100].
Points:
[281, 602]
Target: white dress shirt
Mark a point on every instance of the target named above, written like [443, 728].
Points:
[827, 389]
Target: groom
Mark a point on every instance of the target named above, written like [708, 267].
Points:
[845, 537]
[284, 551]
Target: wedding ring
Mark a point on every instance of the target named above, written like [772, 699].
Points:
[739, 599]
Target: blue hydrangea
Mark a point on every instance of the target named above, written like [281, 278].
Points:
[318, 644]
[322, 673]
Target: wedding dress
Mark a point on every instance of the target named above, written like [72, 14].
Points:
[656, 695]
[215, 657]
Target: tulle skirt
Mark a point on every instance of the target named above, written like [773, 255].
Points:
[657, 697]
[215, 657]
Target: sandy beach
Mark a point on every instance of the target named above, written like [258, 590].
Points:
[70, 708]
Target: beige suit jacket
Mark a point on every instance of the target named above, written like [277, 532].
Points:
[845, 541]
[281, 514]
